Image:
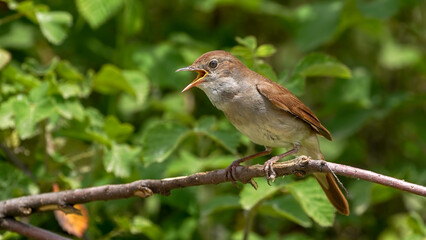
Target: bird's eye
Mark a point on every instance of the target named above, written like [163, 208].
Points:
[213, 63]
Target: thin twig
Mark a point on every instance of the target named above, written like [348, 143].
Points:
[144, 188]
[10, 18]
[370, 176]
[28, 230]
[12, 158]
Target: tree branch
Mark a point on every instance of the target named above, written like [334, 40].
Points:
[144, 188]
[28, 230]
[12, 158]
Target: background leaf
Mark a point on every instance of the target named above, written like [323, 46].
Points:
[161, 139]
[316, 65]
[250, 197]
[286, 207]
[110, 80]
[120, 159]
[313, 200]
[96, 12]
[54, 25]
[265, 50]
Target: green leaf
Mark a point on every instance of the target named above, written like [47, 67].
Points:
[138, 80]
[266, 70]
[69, 90]
[316, 65]
[265, 50]
[361, 192]
[296, 84]
[133, 17]
[299, 236]
[44, 108]
[68, 72]
[318, 23]
[186, 164]
[6, 114]
[96, 12]
[116, 130]
[99, 137]
[5, 57]
[24, 117]
[39, 93]
[249, 42]
[381, 9]
[250, 197]
[28, 114]
[229, 139]
[120, 159]
[357, 89]
[286, 207]
[54, 25]
[140, 83]
[220, 203]
[416, 223]
[29, 9]
[205, 124]
[110, 80]
[381, 194]
[245, 54]
[33, 66]
[187, 228]
[348, 121]
[70, 109]
[313, 201]
[13, 74]
[14, 183]
[405, 226]
[395, 56]
[327, 70]
[161, 139]
[321, 65]
[95, 117]
[141, 225]
[20, 35]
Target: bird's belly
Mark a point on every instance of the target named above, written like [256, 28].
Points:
[268, 126]
[273, 134]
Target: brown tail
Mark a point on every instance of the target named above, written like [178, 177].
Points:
[332, 190]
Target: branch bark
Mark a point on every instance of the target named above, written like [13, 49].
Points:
[64, 200]
[28, 230]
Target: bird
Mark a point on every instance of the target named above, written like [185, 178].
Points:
[266, 112]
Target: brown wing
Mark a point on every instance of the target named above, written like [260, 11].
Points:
[285, 100]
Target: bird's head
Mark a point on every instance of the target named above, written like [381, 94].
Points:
[211, 67]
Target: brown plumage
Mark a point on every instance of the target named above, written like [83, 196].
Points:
[265, 112]
[285, 100]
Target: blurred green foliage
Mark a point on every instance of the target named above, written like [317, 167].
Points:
[88, 96]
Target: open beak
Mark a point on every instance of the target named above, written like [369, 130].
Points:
[199, 79]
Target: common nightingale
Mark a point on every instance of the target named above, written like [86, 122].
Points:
[266, 112]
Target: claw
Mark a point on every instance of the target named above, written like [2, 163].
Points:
[269, 170]
[230, 172]
[253, 183]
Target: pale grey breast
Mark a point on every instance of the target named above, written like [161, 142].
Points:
[264, 124]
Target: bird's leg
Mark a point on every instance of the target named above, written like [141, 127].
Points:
[230, 170]
[269, 170]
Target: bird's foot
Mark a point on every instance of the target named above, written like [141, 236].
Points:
[269, 169]
[230, 172]
[302, 160]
